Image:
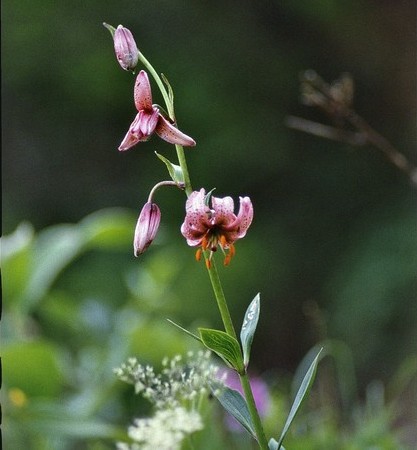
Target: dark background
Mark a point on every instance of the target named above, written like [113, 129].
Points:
[332, 245]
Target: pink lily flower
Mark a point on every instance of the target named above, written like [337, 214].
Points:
[149, 119]
[218, 226]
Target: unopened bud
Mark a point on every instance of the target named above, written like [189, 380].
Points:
[146, 227]
[125, 47]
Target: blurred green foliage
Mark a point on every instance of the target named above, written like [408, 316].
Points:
[332, 246]
[65, 330]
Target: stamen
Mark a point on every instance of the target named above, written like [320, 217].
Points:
[229, 255]
[223, 241]
[198, 254]
[204, 243]
[208, 263]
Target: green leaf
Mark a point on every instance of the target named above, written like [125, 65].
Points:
[174, 170]
[227, 347]
[302, 392]
[110, 28]
[248, 327]
[233, 402]
[170, 91]
[273, 445]
[184, 330]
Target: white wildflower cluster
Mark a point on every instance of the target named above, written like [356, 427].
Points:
[181, 381]
[164, 431]
[176, 393]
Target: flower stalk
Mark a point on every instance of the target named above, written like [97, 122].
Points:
[253, 411]
[230, 330]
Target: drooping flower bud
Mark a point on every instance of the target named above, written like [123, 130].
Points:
[125, 47]
[146, 227]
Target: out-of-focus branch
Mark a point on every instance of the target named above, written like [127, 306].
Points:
[325, 131]
[336, 100]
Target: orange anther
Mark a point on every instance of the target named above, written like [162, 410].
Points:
[208, 264]
[198, 254]
[204, 242]
[223, 241]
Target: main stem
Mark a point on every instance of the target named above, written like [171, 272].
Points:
[221, 299]
[256, 420]
[230, 330]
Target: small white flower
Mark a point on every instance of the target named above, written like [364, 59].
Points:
[166, 430]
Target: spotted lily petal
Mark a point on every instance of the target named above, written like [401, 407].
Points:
[148, 121]
[244, 218]
[133, 135]
[196, 221]
[224, 208]
[171, 134]
[142, 92]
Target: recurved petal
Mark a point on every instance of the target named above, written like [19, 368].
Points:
[196, 219]
[142, 92]
[171, 134]
[133, 136]
[243, 220]
[223, 210]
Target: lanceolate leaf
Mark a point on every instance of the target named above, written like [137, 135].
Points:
[273, 445]
[302, 392]
[184, 330]
[170, 91]
[249, 326]
[227, 347]
[233, 402]
[174, 170]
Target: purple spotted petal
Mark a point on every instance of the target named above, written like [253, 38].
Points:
[243, 220]
[142, 92]
[223, 210]
[171, 134]
[133, 136]
[196, 220]
[148, 121]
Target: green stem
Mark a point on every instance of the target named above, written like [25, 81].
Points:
[157, 78]
[221, 299]
[230, 330]
[256, 420]
[183, 164]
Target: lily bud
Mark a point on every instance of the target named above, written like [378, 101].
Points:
[125, 47]
[146, 227]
